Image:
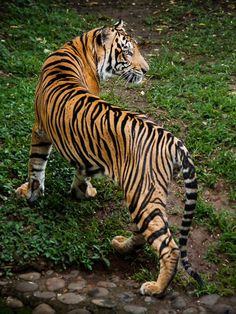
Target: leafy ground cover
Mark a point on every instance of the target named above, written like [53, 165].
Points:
[191, 90]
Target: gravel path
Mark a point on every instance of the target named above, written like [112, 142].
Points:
[82, 293]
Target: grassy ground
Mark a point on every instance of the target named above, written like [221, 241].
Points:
[192, 92]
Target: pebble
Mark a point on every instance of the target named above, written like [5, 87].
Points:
[14, 303]
[54, 284]
[26, 286]
[43, 309]
[127, 296]
[209, 300]
[134, 309]
[97, 292]
[191, 310]
[70, 298]
[79, 311]
[179, 303]
[222, 309]
[30, 276]
[44, 294]
[77, 285]
[106, 303]
[106, 284]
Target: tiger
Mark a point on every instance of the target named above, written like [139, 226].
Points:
[99, 138]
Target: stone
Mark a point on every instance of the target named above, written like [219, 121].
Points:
[222, 309]
[70, 298]
[97, 292]
[79, 311]
[44, 294]
[191, 310]
[30, 276]
[209, 300]
[106, 303]
[233, 300]
[43, 309]
[26, 286]
[149, 299]
[127, 296]
[77, 285]
[14, 303]
[165, 311]
[54, 284]
[3, 283]
[106, 284]
[178, 303]
[134, 309]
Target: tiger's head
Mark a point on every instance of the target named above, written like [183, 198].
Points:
[118, 54]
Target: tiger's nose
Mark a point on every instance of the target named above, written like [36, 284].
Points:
[145, 68]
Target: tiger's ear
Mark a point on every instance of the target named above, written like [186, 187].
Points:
[120, 25]
[102, 36]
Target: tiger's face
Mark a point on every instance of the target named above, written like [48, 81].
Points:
[118, 54]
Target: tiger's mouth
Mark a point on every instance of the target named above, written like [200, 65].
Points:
[134, 77]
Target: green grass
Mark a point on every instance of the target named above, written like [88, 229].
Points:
[191, 93]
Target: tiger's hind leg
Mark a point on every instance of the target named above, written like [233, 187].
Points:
[124, 245]
[81, 186]
[40, 151]
[157, 233]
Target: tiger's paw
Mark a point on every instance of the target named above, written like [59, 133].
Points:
[90, 190]
[122, 245]
[151, 288]
[22, 191]
[30, 191]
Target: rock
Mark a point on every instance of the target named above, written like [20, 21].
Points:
[49, 272]
[149, 299]
[209, 300]
[134, 309]
[70, 298]
[233, 300]
[43, 309]
[79, 311]
[26, 286]
[54, 284]
[178, 303]
[172, 295]
[106, 284]
[202, 310]
[77, 285]
[106, 303]
[14, 303]
[97, 292]
[127, 296]
[165, 311]
[44, 294]
[3, 283]
[222, 309]
[30, 276]
[191, 310]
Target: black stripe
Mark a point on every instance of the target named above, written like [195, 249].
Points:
[155, 235]
[41, 144]
[37, 155]
[149, 218]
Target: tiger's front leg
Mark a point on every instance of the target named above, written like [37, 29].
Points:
[40, 151]
[81, 186]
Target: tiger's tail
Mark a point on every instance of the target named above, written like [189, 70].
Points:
[191, 188]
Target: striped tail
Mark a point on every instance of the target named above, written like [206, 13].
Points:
[191, 189]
